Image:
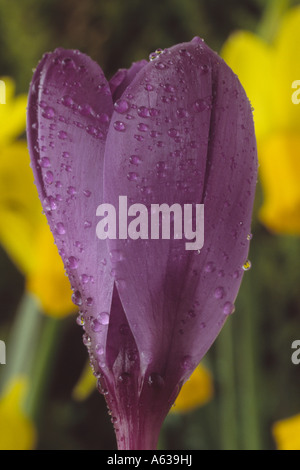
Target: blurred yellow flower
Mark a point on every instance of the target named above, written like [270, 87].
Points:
[287, 433]
[268, 71]
[17, 432]
[197, 391]
[24, 232]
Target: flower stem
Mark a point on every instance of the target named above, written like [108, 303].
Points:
[226, 379]
[272, 16]
[42, 369]
[22, 340]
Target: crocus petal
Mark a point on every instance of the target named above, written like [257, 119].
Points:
[123, 77]
[70, 105]
[192, 141]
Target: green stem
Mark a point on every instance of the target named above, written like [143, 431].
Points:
[248, 369]
[271, 19]
[22, 340]
[45, 360]
[226, 379]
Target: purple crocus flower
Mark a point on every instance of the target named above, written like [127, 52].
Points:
[175, 130]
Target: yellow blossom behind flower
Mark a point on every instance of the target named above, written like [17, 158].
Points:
[12, 114]
[267, 72]
[24, 232]
[287, 433]
[17, 432]
[196, 392]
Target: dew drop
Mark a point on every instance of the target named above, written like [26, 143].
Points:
[80, 320]
[121, 106]
[201, 105]
[48, 113]
[72, 262]
[119, 126]
[247, 265]
[62, 135]
[45, 162]
[50, 204]
[228, 308]
[249, 236]
[49, 177]
[71, 190]
[187, 363]
[99, 349]
[132, 176]
[86, 340]
[143, 112]
[76, 298]
[210, 267]
[96, 325]
[104, 318]
[135, 160]
[156, 381]
[60, 228]
[142, 127]
[219, 293]
[84, 278]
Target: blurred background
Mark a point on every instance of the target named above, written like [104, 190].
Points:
[246, 394]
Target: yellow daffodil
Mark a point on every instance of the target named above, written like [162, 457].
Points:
[24, 232]
[196, 392]
[17, 432]
[287, 433]
[269, 73]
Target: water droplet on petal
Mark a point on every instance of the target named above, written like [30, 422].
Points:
[45, 162]
[62, 135]
[80, 320]
[76, 298]
[121, 106]
[49, 177]
[156, 381]
[48, 113]
[228, 308]
[219, 293]
[119, 126]
[60, 228]
[247, 265]
[210, 267]
[72, 262]
[104, 318]
[132, 176]
[135, 160]
[96, 324]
